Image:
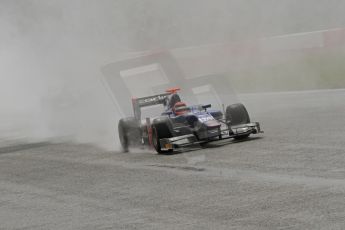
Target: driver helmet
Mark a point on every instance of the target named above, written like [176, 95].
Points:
[180, 108]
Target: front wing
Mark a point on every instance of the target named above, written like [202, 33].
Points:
[191, 139]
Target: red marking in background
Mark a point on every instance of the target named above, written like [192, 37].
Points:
[133, 99]
[247, 48]
[334, 37]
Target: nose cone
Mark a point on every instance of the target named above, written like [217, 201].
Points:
[209, 129]
[212, 124]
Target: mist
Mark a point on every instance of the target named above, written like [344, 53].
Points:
[52, 54]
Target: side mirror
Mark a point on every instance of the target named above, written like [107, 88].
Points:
[206, 106]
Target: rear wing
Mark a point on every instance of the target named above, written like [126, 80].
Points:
[138, 103]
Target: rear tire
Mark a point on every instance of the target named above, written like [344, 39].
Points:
[129, 132]
[159, 131]
[237, 114]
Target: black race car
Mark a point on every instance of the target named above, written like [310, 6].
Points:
[180, 125]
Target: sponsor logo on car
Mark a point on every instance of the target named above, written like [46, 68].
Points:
[151, 100]
[205, 118]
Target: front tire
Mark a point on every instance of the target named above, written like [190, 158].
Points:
[237, 114]
[159, 131]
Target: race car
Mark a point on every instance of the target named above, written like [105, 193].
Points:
[180, 126]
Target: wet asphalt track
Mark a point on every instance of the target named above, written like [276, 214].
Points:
[291, 177]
